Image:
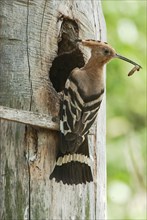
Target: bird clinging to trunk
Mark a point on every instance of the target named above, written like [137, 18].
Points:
[83, 94]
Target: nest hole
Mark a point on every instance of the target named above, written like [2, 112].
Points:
[68, 57]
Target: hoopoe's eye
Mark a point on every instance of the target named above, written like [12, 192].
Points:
[106, 51]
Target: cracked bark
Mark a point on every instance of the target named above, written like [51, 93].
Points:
[29, 43]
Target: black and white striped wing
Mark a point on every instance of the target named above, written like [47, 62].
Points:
[77, 116]
[90, 112]
[71, 111]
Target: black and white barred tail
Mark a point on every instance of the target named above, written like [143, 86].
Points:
[73, 168]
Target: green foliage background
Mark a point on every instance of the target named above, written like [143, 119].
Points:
[126, 110]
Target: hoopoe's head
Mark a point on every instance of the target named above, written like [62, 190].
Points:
[104, 52]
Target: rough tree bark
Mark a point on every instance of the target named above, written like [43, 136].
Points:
[34, 37]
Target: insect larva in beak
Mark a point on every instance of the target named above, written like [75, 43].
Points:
[135, 68]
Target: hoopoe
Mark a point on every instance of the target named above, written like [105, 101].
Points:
[83, 94]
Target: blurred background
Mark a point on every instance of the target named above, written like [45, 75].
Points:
[126, 110]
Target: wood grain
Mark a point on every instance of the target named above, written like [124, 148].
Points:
[29, 118]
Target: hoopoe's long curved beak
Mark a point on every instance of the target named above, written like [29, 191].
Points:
[127, 60]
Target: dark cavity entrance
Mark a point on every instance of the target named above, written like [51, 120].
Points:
[69, 55]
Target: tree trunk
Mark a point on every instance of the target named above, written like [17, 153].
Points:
[36, 40]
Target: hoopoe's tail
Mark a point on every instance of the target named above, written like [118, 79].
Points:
[73, 168]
